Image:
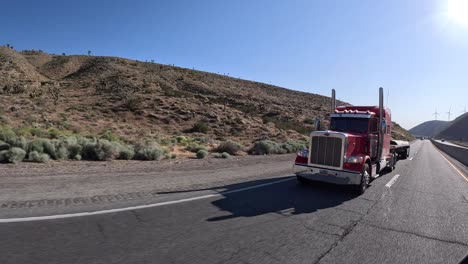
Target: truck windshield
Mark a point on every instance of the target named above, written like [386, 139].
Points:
[359, 125]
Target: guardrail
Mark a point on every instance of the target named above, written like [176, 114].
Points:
[458, 153]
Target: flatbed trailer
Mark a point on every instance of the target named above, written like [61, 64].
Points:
[400, 148]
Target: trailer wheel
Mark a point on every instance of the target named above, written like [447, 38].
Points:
[405, 154]
[365, 179]
[395, 159]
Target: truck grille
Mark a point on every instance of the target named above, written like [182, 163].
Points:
[326, 151]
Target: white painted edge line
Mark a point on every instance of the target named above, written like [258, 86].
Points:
[61, 216]
[392, 181]
[411, 158]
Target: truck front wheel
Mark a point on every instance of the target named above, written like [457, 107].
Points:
[302, 180]
[365, 179]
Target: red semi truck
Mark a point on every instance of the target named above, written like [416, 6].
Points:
[355, 150]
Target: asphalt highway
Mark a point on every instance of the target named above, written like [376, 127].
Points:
[416, 214]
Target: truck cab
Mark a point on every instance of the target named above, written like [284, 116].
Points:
[353, 150]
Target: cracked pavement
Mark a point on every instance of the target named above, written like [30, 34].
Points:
[422, 218]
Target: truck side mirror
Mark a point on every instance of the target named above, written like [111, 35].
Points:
[317, 124]
[383, 126]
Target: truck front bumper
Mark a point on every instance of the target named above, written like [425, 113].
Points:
[331, 176]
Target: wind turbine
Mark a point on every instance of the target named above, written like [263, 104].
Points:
[448, 113]
[435, 113]
[464, 111]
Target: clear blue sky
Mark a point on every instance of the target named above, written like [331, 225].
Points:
[411, 48]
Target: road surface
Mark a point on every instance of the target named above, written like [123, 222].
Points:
[416, 214]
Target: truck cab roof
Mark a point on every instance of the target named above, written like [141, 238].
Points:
[361, 110]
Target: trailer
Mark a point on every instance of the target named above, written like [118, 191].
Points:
[400, 148]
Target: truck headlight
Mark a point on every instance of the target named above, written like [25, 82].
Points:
[303, 153]
[354, 159]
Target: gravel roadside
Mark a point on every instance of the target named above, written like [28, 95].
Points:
[55, 186]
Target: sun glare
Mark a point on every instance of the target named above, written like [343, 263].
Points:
[458, 11]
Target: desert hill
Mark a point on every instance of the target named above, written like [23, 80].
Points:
[429, 128]
[134, 99]
[457, 129]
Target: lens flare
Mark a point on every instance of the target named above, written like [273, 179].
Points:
[458, 11]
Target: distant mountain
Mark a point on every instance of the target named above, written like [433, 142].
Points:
[456, 130]
[429, 128]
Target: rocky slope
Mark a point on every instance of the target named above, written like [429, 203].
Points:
[133, 99]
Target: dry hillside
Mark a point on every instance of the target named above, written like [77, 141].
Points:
[457, 129]
[429, 128]
[91, 95]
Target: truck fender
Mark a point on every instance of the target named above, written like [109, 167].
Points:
[367, 160]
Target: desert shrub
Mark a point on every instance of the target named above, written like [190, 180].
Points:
[61, 152]
[42, 145]
[6, 133]
[173, 155]
[292, 146]
[201, 154]
[4, 146]
[287, 124]
[230, 147]
[35, 156]
[200, 127]
[181, 139]
[54, 133]
[109, 135]
[19, 142]
[22, 131]
[201, 140]
[263, 147]
[132, 103]
[39, 132]
[223, 155]
[194, 147]
[148, 151]
[168, 141]
[73, 147]
[101, 150]
[13, 155]
[3, 156]
[126, 153]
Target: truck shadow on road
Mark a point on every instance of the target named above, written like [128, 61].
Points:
[288, 197]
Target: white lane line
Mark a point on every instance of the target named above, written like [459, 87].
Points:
[392, 181]
[61, 216]
[411, 158]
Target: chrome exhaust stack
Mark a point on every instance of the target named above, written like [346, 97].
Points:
[382, 123]
[333, 101]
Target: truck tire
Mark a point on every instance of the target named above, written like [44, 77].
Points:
[365, 179]
[302, 180]
[405, 154]
[390, 167]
